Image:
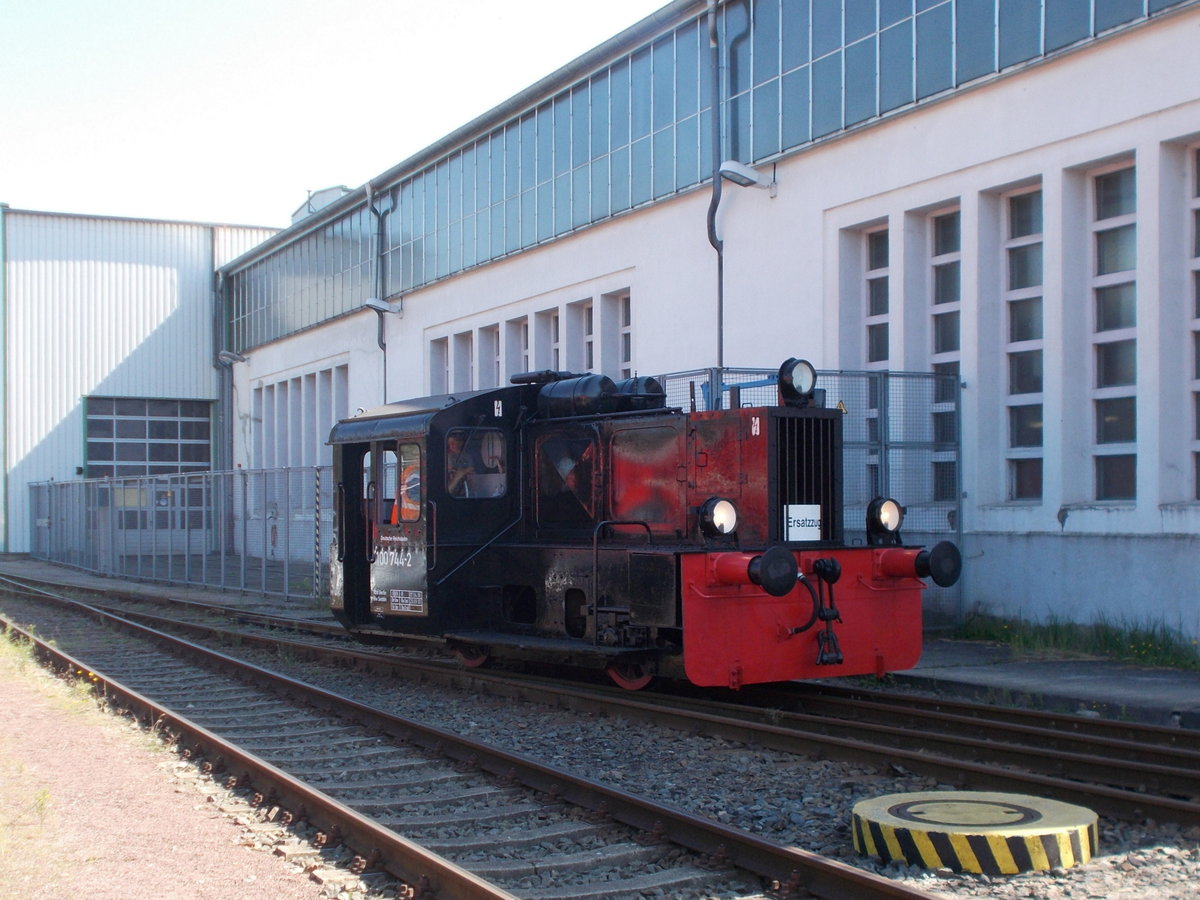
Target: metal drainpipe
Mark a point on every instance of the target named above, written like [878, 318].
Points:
[715, 201]
[4, 377]
[380, 273]
[225, 402]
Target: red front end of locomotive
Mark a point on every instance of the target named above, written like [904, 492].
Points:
[777, 593]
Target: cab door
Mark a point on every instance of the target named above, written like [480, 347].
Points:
[396, 508]
[349, 566]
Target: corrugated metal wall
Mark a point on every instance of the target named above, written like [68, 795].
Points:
[101, 307]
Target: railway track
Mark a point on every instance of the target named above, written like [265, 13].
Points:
[476, 821]
[1123, 770]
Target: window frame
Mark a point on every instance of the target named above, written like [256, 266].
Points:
[132, 442]
[1022, 458]
[878, 274]
[1102, 343]
[944, 311]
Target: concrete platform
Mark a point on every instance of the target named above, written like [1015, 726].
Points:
[970, 670]
[980, 670]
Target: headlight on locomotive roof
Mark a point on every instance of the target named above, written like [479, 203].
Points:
[884, 518]
[797, 379]
[718, 516]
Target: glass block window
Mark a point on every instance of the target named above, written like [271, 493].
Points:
[517, 347]
[589, 337]
[556, 361]
[439, 366]
[491, 365]
[945, 278]
[945, 302]
[463, 363]
[525, 362]
[1022, 294]
[1114, 332]
[129, 436]
[877, 297]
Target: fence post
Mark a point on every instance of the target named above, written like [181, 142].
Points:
[245, 530]
[263, 574]
[316, 579]
[124, 555]
[885, 428]
[716, 386]
[51, 501]
[287, 533]
[112, 525]
[223, 492]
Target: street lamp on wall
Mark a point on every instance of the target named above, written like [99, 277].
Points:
[381, 309]
[745, 176]
[229, 357]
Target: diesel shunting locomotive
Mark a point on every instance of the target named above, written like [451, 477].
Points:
[573, 519]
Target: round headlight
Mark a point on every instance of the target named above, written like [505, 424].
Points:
[884, 516]
[718, 516]
[797, 378]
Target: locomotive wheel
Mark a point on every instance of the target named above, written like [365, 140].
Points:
[633, 676]
[472, 657]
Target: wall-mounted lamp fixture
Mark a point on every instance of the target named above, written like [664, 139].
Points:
[745, 176]
[378, 305]
[229, 357]
[382, 309]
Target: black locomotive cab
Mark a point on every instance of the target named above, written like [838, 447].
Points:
[419, 487]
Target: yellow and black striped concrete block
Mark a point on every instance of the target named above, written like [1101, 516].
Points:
[967, 831]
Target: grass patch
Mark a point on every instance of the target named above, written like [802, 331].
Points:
[1148, 644]
[16, 650]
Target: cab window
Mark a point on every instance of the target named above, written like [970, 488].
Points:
[367, 496]
[476, 460]
[566, 465]
[387, 483]
[408, 485]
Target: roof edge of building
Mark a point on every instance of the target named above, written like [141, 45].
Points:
[652, 24]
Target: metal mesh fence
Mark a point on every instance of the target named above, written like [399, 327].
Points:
[268, 531]
[263, 531]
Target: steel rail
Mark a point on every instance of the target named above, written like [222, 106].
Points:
[811, 734]
[401, 857]
[807, 734]
[1064, 725]
[1046, 729]
[791, 867]
[1119, 743]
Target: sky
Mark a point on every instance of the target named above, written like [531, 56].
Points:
[231, 111]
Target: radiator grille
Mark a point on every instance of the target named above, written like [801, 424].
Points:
[808, 467]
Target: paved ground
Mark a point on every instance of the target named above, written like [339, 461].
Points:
[91, 807]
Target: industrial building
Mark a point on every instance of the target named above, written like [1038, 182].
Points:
[1006, 194]
[108, 351]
